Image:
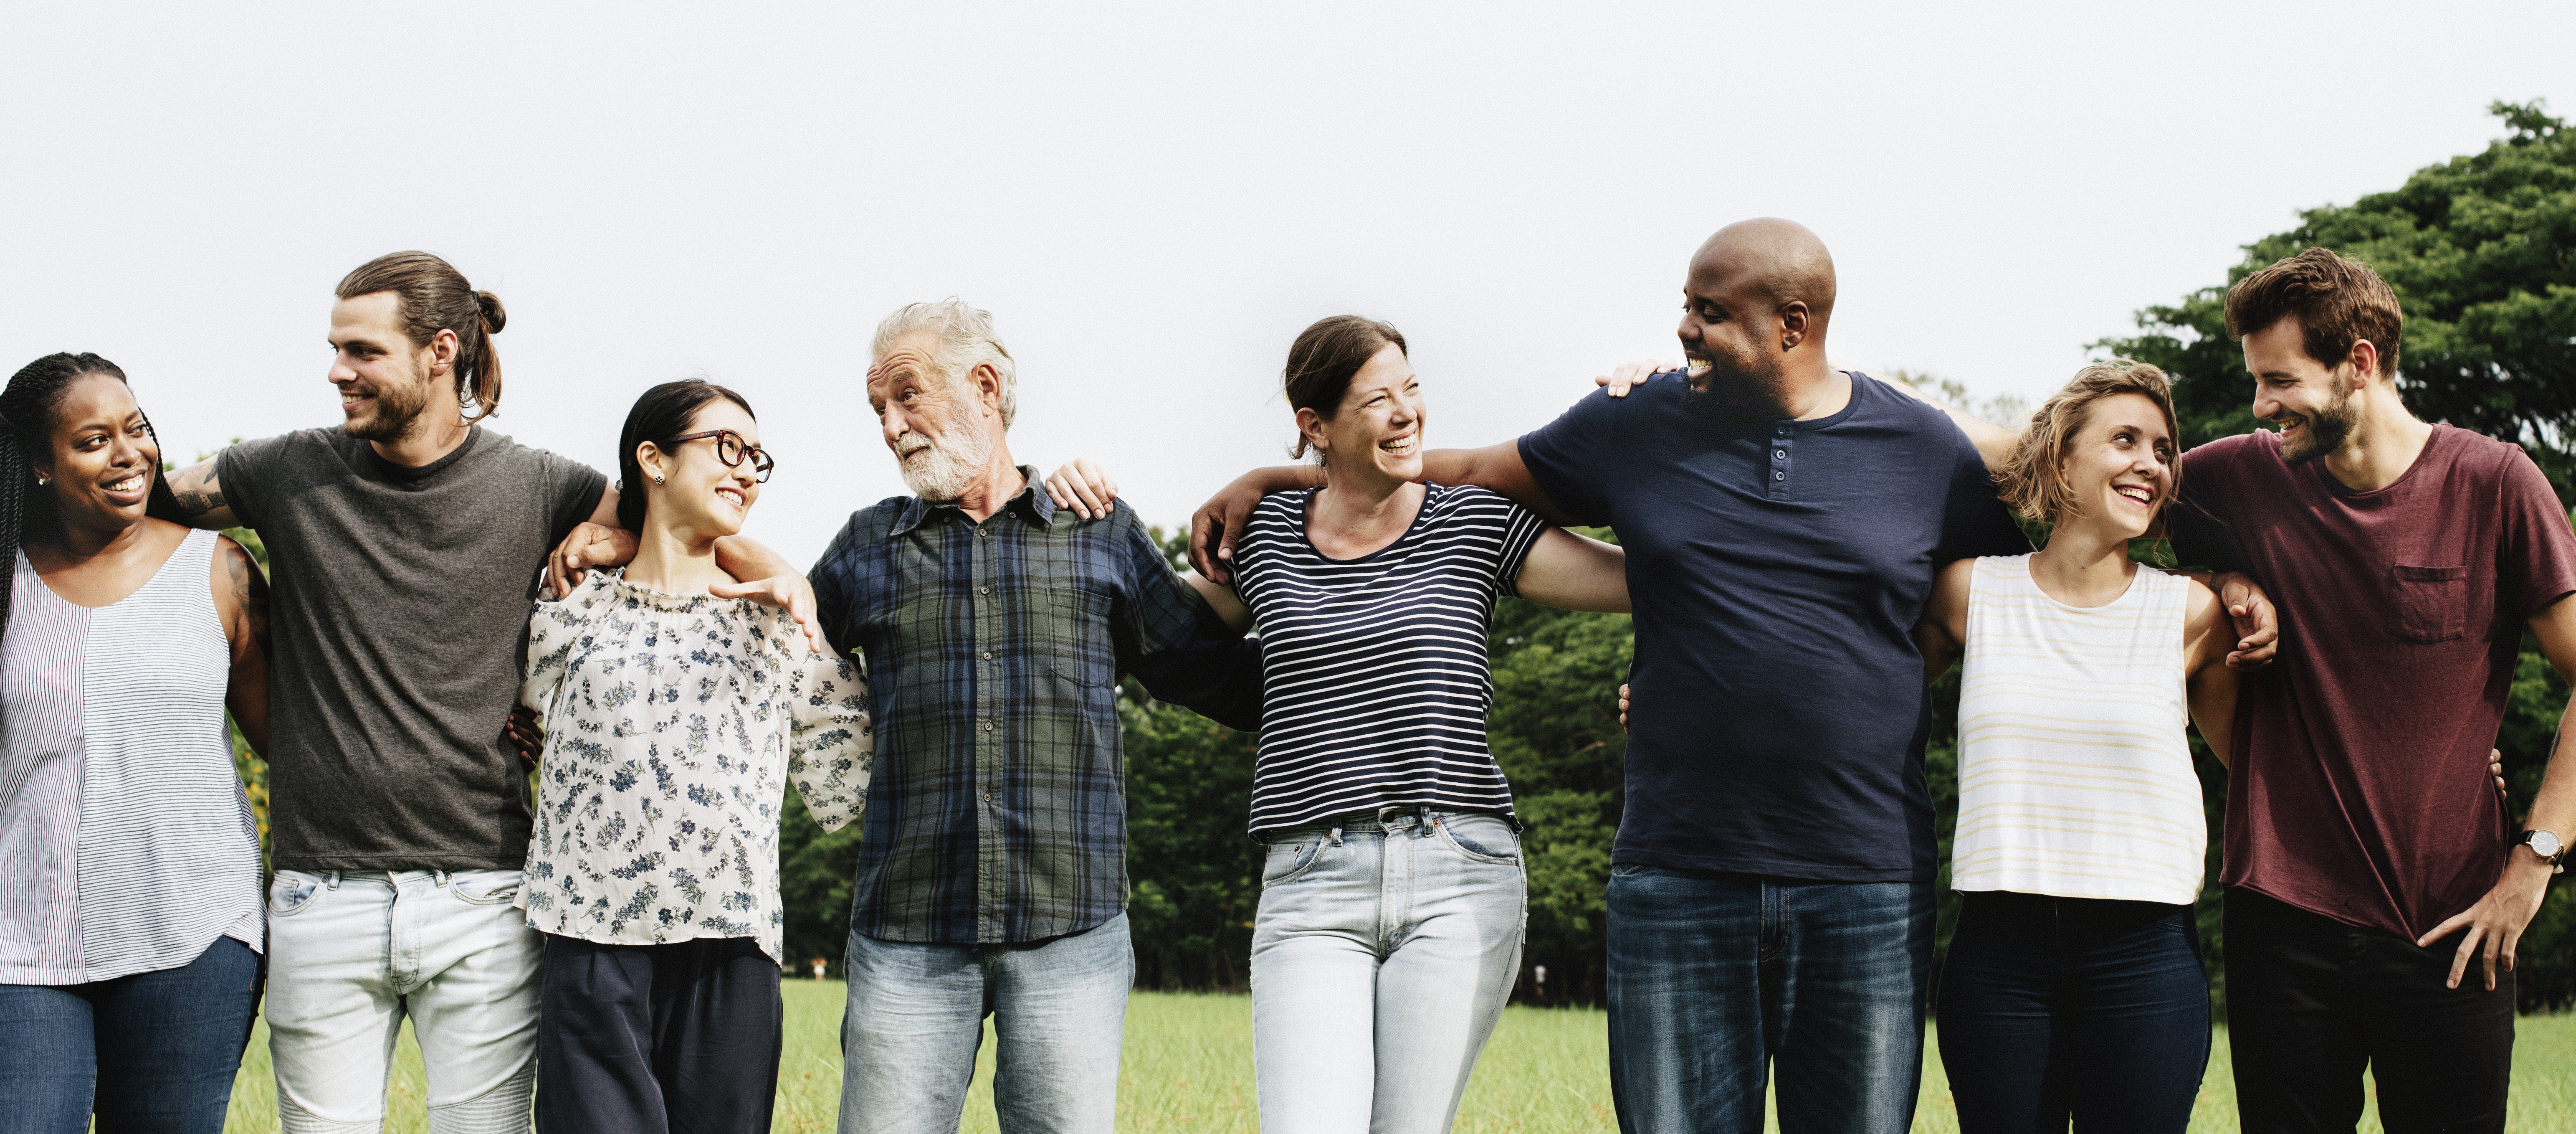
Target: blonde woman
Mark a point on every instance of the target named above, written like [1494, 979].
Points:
[2073, 986]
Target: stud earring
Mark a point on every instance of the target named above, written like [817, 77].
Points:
[42, 481]
[657, 478]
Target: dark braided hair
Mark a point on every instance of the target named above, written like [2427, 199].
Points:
[27, 418]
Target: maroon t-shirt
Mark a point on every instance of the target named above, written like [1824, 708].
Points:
[2360, 786]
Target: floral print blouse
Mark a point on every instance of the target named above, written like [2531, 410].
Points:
[670, 721]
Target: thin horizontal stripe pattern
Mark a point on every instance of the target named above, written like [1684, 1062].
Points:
[2075, 775]
[1375, 678]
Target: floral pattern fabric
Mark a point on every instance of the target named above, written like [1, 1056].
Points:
[670, 723]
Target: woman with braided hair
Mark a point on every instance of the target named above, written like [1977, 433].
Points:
[130, 916]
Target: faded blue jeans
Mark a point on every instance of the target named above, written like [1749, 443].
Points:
[916, 1016]
[1382, 954]
[155, 1052]
[1715, 978]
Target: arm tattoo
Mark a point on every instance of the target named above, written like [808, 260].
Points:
[197, 490]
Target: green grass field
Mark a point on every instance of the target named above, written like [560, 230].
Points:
[1188, 1067]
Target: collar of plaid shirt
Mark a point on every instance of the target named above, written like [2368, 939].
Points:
[997, 809]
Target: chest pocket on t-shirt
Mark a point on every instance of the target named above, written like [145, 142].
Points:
[2432, 602]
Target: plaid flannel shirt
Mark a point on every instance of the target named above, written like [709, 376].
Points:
[998, 807]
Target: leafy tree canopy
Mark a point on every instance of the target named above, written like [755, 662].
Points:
[2481, 250]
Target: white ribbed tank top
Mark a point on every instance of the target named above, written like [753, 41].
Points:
[154, 854]
[2075, 778]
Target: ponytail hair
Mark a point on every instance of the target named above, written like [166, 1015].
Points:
[432, 296]
[28, 408]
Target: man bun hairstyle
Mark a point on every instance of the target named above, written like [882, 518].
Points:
[2033, 479]
[430, 296]
[966, 340]
[664, 412]
[2337, 301]
[1323, 360]
[28, 410]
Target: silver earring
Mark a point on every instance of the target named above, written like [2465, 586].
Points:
[657, 478]
[41, 481]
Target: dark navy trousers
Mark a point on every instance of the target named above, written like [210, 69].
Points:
[646, 1039]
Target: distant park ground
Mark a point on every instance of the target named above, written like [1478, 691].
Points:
[1188, 1067]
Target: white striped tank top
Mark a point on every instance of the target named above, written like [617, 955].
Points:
[2075, 778]
[128, 845]
[1375, 682]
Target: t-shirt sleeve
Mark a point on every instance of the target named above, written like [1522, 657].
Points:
[577, 490]
[2536, 558]
[1521, 529]
[2193, 522]
[1974, 521]
[245, 470]
[1574, 458]
[829, 742]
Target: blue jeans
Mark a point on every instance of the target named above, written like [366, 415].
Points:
[916, 1016]
[1714, 977]
[1382, 954]
[2073, 1008]
[156, 1051]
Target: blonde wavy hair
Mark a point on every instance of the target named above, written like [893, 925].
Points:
[2033, 479]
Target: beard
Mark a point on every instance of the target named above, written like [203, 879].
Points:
[2327, 428]
[396, 414]
[944, 470]
[1721, 386]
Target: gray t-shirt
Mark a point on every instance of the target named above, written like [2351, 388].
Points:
[399, 613]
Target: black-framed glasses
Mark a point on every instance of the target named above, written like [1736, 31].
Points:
[731, 450]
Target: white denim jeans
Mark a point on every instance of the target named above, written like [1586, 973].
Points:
[1382, 954]
[351, 954]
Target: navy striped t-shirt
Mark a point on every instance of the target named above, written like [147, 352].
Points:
[1375, 684]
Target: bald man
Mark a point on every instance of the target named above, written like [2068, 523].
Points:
[1783, 521]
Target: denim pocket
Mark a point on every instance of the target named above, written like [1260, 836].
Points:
[2432, 602]
[290, 892]
[1287, 861]
[485, 888]
[1483, 842]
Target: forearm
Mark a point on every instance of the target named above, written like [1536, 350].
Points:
[2554, 809]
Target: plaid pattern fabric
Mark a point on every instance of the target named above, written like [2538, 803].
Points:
[998, 808]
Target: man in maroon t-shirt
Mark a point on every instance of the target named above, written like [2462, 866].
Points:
[2376, 885]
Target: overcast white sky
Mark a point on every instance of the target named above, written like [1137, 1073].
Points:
[1154, 199]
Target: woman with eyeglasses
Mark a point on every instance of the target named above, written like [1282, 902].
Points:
[130, 920]
[674, 706]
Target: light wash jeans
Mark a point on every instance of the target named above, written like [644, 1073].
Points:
[351, 954]
[1382, 954]
[916, 1016]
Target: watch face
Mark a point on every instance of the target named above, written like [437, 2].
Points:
[2544, 843]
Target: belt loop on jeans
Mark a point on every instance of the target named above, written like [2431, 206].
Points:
[332, 879]
[1421, 817]
[1337, 836]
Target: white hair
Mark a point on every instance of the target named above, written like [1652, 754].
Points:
[966, 340]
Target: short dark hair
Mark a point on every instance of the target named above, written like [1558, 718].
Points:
[664, 412]
[1325, 357]
[2337, 301]
[430, 296]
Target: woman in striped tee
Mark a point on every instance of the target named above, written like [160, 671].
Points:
[2073, 986]
[130, 921]
[1392, 905]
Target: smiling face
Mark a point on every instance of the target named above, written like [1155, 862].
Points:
[1729, 328]
[103, 457]
[700, 498]
[940, 428]
[386, 384]
[2311, 402]
[1377, 432]
[2119, 466]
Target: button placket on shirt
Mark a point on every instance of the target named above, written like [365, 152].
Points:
[989, 628]
[1775, 472]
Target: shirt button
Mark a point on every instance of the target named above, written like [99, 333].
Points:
[1783, 431]
[1779, 454]
[988, 797]
[983, 590]
[988, 655]
[988, 726]
[1779, 476]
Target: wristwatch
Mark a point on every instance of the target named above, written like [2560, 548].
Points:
[2546, 845]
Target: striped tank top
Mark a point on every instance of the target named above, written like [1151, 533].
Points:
[1375, 681]
[126, 845]
[2075, 778]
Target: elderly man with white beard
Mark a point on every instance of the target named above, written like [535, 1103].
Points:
[992, 875]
